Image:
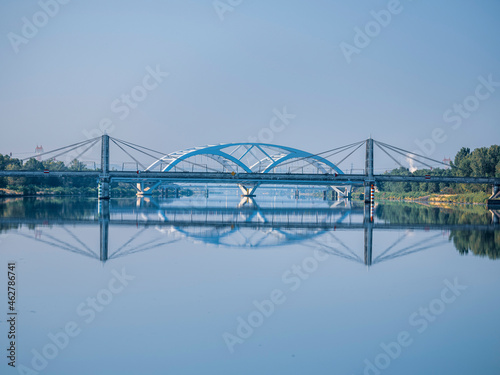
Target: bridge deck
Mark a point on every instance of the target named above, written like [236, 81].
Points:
[253, 178]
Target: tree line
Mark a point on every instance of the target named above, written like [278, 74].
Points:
[30, 185]
[481, 162]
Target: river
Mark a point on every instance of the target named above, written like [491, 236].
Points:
[216, 285]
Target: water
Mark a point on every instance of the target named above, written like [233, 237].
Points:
[273, 286]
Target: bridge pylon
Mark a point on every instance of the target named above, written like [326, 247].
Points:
[369, 182]
[104, 177]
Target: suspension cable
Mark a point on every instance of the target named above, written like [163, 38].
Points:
[352, 152]
[137, 161]
[343, 148]
[62, 148]
[84, 151]
[164, 155]
[392, 157]
[410, 157]
[71, 149]
[412, 153]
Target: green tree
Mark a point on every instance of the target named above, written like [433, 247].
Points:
[77, 166]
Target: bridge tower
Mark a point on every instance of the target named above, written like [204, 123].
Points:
[104, 178]
[369, 179]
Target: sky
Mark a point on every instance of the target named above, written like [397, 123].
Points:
[314, 75]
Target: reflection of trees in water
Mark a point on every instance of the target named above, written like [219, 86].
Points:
[482, 243]
[400, 213]
[45, 208]
[4, 228]
[48, 208]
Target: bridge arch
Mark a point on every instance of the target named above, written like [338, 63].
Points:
[246, 158]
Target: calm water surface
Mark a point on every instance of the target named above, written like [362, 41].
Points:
[273, 286]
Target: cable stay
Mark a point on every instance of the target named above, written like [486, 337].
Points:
[73, 146]
[84, 151]
[333, 151]
[394, 148]
[156, 158]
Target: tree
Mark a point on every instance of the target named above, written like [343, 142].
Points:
[33, 165]
[77, 166]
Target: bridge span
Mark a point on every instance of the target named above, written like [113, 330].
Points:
[249, 165]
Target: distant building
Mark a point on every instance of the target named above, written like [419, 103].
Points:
[447, 161]
[38, 151]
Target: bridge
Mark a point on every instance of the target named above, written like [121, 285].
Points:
[247, 165]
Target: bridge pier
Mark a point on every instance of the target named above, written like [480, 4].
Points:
[103, 190]
[368, 227]
[143, 189]
[369, 193]
[248, 192]
[342, 192]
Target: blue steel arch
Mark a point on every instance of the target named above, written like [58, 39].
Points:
[274, 159]
[224, 238]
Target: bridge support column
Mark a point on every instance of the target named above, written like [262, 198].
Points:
[368, 211]
[248, 192]
[369, 192]
[104, 178]
[143, 189]
[342, 192]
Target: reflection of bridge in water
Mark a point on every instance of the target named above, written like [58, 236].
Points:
[224, 223]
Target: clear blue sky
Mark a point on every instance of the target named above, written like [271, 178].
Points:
[227, 76]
